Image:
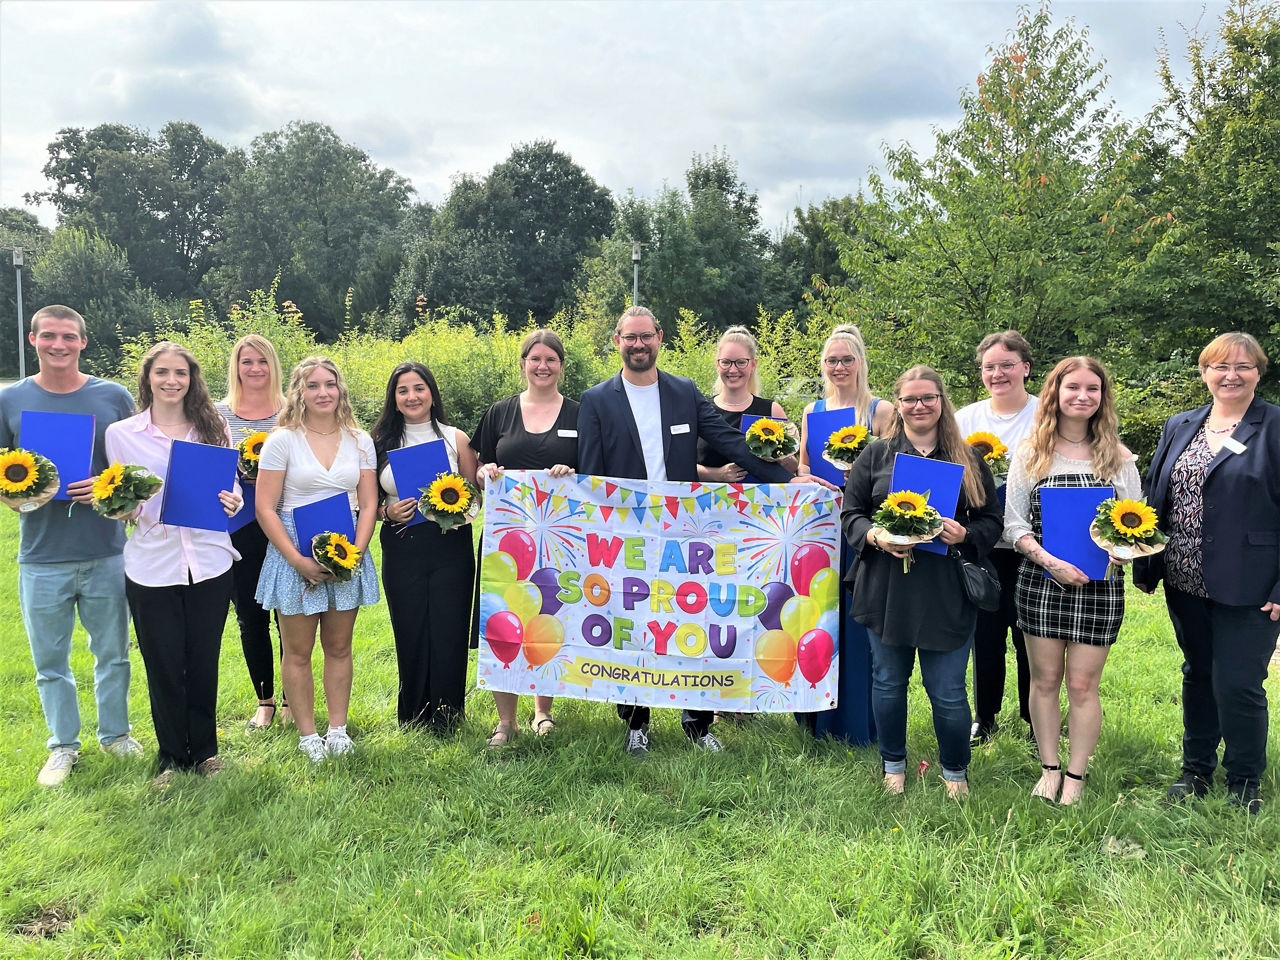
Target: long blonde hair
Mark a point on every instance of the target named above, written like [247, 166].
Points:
[950, 439]
[293, 411]
[847, 333]
[1104, 440]
[254, 341]
[741, 336]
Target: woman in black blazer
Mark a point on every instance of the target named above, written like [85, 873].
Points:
[1215, 482]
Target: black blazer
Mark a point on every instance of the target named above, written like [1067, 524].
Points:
[1241, 530]
[609, 443]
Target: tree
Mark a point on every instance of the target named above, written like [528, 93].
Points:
[157, 198]
[319, 212]
[509, 243]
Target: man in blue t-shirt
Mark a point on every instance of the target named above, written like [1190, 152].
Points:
[69, 559]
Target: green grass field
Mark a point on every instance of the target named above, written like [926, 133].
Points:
[778, 847]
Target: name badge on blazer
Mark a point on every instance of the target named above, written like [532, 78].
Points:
[679, 428]
[566, 433]
[1234, 445]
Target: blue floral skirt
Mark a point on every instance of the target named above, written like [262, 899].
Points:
[280, 587]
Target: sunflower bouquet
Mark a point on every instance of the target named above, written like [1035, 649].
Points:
[118, 490]
[1126, 529]
[844, 445]
[772, 440]
[991, 449]
[250, 450]
[27, 480]
[336, 554]
[450, 500]
[905, 518]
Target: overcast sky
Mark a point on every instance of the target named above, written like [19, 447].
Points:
[801, 94]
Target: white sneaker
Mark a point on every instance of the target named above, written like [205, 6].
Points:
[637, 742]
[313, 747]
[56, 768]
[125, 746]
[708, 743]
[337, 742]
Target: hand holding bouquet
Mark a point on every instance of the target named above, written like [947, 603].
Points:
[844, 445]
[1126, 529]
[336, 554]
[27, 480]
[993, 450]
[451, 501]
[905, 518]
[250, 450]
[119, 490]
[772, 440]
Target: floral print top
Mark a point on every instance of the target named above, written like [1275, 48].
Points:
[1184, 561]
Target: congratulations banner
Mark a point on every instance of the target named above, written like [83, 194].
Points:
[707, 596]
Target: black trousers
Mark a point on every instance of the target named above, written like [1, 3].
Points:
[989, 647]
[179, 632]
[695, 722]
[1226, 651]
[428, 577]
[255, 623]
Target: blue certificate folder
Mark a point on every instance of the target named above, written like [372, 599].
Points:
[415, 467]
[248, 514]
[940, 479]
[821, 424]
[1065, 515]
[64, 438]
[330, 515]
[747, 420]
[197, 473]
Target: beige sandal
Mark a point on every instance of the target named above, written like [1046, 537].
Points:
[543, 725]
[501, 737]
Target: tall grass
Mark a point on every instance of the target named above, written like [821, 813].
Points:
[561, 847]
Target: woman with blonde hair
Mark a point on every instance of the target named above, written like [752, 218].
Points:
[253, 403]
[1068, 620]
[844, 383]
[737, 394]
[317, 450]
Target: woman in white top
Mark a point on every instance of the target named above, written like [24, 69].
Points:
[429, 574]
[1069, 621]
[317, 450]
[177, 579]
[1005, 362]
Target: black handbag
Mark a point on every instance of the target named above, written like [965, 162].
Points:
[980, 583]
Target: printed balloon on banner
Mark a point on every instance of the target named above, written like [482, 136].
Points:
[799, 616]
[519, 546]
[547, 581]
[830, 622]
[504, 633]
[490, 603]
[776, 654]
[543, 638]
[814, 654]
[806, 562]
[498, 567]
[524, 599]
[824, 588]
[776, 594]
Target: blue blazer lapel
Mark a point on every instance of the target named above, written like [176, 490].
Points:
[1242, 434]
[1183, 431]
[667, 402]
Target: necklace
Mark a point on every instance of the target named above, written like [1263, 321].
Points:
[318, 433]
[1227, 429]
[1073, 443]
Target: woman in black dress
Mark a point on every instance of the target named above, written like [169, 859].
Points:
[537, 429]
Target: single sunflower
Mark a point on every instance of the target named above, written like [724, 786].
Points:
[848, 437]
[342, 552]
[106, 482]
[766, 429]
[988, 445]
[449, 494]
[251, 446]
[906, 503]
[1133, 518]
[17, 471]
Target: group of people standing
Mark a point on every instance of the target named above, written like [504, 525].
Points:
[1215, 482]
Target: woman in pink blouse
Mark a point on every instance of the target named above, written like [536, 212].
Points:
[177, 579]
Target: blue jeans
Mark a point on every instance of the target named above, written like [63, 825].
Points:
[943, 675]
[50, 594]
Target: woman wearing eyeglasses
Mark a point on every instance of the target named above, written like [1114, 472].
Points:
[736, 396]
[1005, 362]
[1215, 484]
[922, 613]
[844, 382]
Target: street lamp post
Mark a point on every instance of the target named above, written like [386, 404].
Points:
[18, 261]
[635, 273]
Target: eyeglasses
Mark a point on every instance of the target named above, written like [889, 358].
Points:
[839, 361]
[928, 400]
[631, 339]
[739, 364]
[1005, 366]
[548, 361]
[1240, 368]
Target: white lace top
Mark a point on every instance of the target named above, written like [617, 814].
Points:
[1017, 505]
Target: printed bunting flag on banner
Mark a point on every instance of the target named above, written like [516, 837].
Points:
[705, 596]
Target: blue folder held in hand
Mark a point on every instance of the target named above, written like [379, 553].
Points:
[939, 479]
[248, 513]
[415, 467]
[64, 438]
[197, 473]
[821, 424]
[330, 515]
[1065, 515]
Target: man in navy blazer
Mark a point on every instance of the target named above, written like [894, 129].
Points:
[644, 424]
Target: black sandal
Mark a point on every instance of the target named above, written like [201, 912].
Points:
[252, 725]
[1079, 778]
[1047, 768]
